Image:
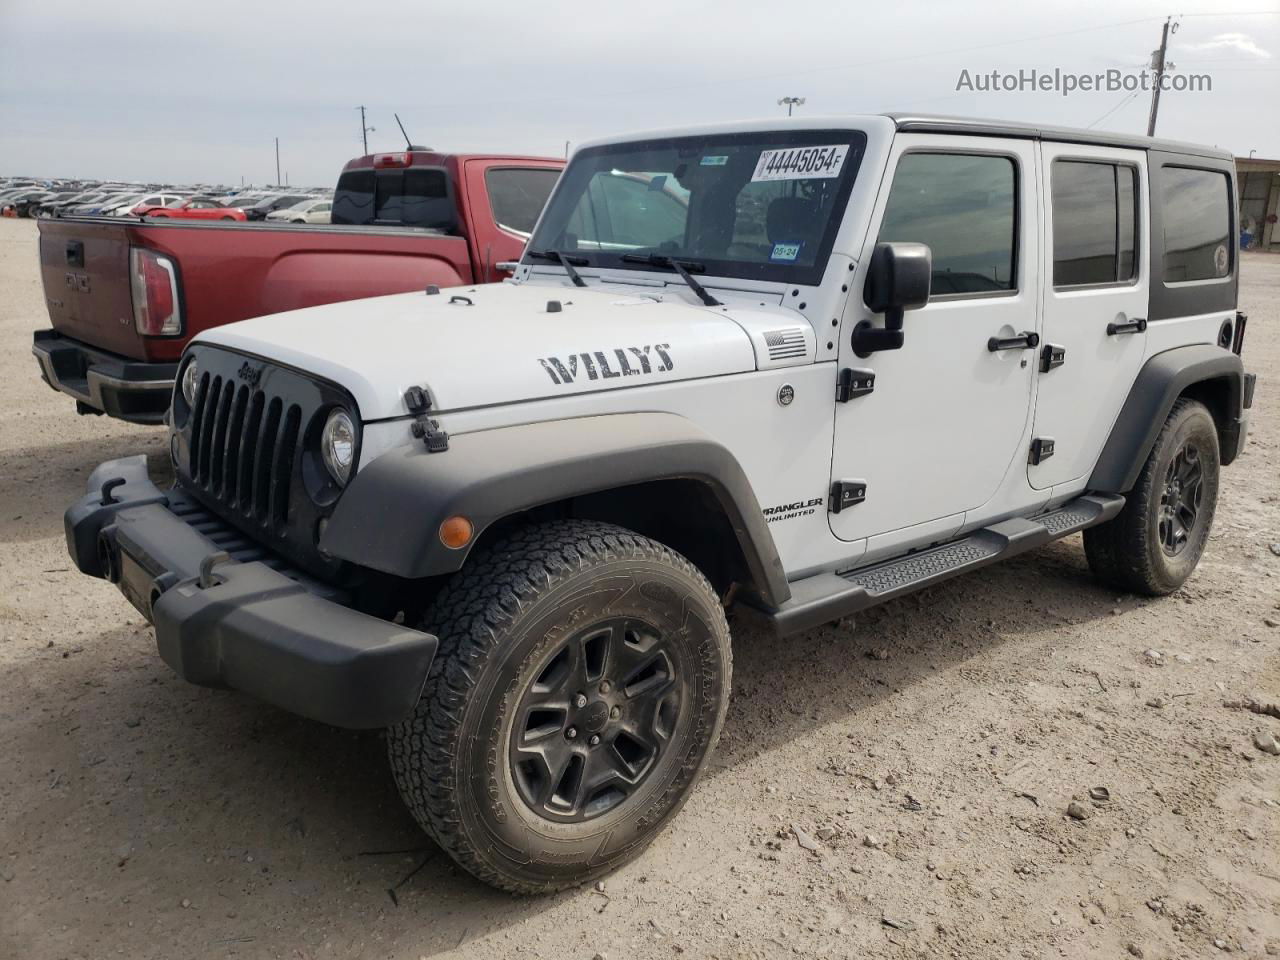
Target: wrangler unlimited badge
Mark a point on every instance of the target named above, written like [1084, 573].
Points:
[789, 511]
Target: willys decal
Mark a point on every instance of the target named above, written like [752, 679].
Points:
[607, 364]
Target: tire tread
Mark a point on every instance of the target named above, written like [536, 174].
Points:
[469, 618]
[1120, 551]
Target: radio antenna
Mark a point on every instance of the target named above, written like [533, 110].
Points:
[408, 143]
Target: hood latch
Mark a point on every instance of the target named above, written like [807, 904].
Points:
[424, 428]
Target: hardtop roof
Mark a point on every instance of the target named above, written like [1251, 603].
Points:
[971, 126]
[903, 122]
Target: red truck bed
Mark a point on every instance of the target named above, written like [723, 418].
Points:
[214, 273]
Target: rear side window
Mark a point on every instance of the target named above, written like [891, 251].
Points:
[1094, 222]
[353, 198]
[963, 207]
[518, 194]
[1197, 223]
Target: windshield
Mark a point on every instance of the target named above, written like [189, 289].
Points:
[759, 206]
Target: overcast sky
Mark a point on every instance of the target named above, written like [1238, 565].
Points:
[183, 91]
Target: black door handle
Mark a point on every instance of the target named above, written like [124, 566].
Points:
[1026, 340]
[1133, 326]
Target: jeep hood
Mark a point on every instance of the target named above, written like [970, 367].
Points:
[494, 344]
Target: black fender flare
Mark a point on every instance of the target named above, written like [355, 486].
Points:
[1159, 383]
[389, 517]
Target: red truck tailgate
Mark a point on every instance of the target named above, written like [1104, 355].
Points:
[85, 268]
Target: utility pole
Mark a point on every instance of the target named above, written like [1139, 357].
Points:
[277, 161]
[1159, 65]
[365, 131]
[791, 102]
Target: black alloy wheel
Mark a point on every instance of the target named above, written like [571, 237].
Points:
[1180, 500]
[595, 721]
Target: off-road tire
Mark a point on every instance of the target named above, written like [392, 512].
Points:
[1126, 552]
[499, 621]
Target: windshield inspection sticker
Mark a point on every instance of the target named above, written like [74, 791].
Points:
[714, 161]
[800, 163]
[785, 251]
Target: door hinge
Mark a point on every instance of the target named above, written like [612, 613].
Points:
[424, 428]
[854, 383]
[846, 493]
[1041, 450]
[1052, 357]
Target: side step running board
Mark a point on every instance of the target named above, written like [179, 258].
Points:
[829, 596]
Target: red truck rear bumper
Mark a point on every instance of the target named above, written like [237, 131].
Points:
[102, 382]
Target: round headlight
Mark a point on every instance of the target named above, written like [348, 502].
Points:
[338, 445]
[190, 380]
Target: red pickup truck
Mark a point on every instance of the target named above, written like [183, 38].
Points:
[125, 296]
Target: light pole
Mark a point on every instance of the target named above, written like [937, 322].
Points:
[365, 131]
[791, 102]
[277, 161]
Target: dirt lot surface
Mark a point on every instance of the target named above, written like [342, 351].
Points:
[894, 787]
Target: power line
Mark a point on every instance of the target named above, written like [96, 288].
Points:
[1123, 100]
[829, 68]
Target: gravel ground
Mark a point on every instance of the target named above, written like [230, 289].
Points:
[892, 787]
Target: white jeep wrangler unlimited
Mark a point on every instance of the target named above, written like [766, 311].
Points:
[505, 521]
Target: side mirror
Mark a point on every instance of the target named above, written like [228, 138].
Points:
[898, 280]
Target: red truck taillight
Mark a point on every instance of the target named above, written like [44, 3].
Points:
[157, 311]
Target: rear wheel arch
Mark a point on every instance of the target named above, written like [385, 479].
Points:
[1204, 373]
[1221, 397]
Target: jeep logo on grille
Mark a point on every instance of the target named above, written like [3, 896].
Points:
[249, 373]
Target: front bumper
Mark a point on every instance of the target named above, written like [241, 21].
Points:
[104, 382]
[249, 624]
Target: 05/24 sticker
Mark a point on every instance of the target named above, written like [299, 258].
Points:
[800, 163]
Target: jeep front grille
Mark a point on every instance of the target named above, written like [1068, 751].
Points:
[243, 446]
[247, 449]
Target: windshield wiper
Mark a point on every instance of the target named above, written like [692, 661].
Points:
[564, 261]
[681, 267]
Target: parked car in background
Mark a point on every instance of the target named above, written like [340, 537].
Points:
[9, 198]
[95, 208]
[173, 278]
[55, 206]
[145, 209]
[199, 208]
[43, 206]
[144, 203]
[123, 201]
[304, 211]
[274, 202]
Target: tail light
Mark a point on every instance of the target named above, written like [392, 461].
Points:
[157, 311]
[382, 161]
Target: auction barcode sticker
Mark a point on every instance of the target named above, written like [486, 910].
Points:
[801, 163]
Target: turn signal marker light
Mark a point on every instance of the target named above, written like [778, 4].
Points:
[456, 532]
